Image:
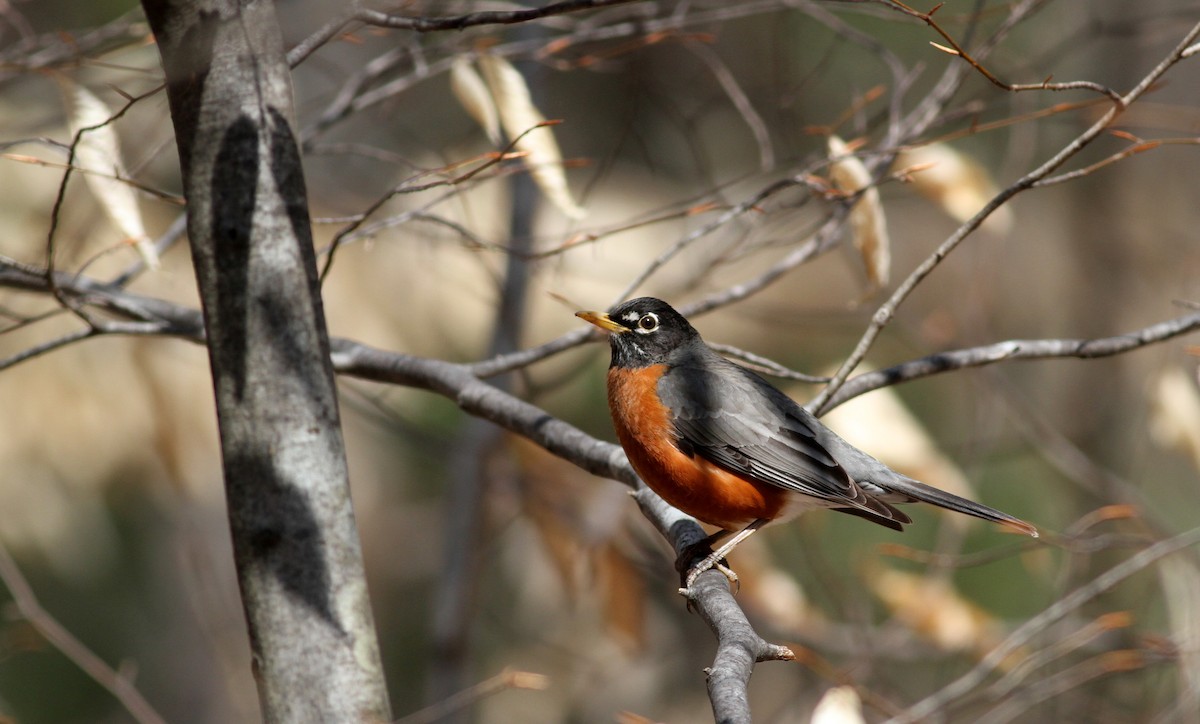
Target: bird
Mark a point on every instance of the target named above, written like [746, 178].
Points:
[722, 444]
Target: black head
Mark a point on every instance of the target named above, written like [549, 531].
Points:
[643, 332]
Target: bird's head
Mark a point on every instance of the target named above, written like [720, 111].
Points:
[643, 332]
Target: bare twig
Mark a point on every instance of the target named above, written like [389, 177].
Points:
[408, 187]
[422, 24]
[740, 101]
[505, 680]
[1135, 149]
[958, 50]
[74, 649]
[764, 364]
[1014, 350]
[35, 161]
[327, 32]
[704, 230]
[49, 346]
[487, 17]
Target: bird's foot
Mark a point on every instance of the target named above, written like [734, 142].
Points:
[697, 559]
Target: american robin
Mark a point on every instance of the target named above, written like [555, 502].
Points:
[722, 444]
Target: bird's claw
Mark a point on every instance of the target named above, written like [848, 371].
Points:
[690, 568]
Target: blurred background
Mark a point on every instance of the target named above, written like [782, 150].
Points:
[485, 554]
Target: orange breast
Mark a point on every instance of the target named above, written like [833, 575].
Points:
[692, 484]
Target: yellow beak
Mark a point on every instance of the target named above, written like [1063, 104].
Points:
[603, 321]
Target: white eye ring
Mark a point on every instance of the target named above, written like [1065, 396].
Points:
[647, 323]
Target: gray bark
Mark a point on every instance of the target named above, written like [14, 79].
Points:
[296, 547]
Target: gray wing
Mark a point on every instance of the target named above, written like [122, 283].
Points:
[731, 417]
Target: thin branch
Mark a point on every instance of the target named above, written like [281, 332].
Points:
[740, 101]
[487, 17]
[505, 680]
[40, 349]
[1133, 150]
[1014, 350]
[764, 364]
[74, 649]
[137, 185]
[958, 50]
[335, 25]
[407, 187]
[687, 240]
[525, 357]
[931, 106]
[331, 28]
[822, 240]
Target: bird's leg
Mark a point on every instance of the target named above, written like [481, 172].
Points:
[717, 558]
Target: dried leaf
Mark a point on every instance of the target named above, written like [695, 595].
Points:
[955, 181]
[98, 153]
[867, 222]
[839, 705]
[475, 98]
[1175, 413]
[525, 123]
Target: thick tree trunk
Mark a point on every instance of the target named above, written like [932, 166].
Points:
[295, 543]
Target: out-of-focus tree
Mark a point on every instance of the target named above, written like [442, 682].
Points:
[1007, 191]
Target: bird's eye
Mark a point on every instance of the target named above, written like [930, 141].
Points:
[648, 322]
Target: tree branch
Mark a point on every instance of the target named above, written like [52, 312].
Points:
[1014, 350]
[486, 17]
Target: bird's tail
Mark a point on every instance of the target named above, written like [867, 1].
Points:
[915, 491]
